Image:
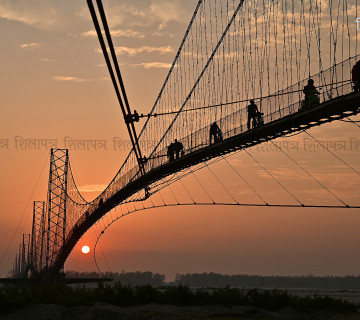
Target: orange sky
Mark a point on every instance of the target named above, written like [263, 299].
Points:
[54, 85]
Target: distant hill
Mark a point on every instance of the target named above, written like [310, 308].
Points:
[217, 280]
[126, 278]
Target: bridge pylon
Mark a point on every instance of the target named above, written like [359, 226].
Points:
[56, 205]
[37, 248]
[23, 256]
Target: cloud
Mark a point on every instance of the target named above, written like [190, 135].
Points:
[92, 188]
[76, 79]
[138, 13]
[47, 60]
[40, 13]
[161, 26]
[167, 10]
[121, 13]
[153, 65]
[31, 45]
[135, 51]
[46, 14]
[116, 33]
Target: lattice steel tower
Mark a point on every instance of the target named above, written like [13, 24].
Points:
[37, 248]
[56, 204]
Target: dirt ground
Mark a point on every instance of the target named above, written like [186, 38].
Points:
[102, 311]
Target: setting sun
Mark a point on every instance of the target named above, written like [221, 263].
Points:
[85, 249]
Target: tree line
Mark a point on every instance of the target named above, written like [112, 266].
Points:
[217, 280]
[126, 278]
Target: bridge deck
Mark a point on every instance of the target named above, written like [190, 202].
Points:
[328, 111]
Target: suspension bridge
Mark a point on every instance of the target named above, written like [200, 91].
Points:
[233, 51]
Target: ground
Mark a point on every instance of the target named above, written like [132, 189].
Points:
[102, 311]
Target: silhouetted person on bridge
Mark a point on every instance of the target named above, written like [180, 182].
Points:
[171, 151]
[147, 192]
[311, 95]
[355, 76]
[253, 111]
[215, 133]
[178, 148]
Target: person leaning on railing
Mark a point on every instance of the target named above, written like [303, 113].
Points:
[312, 98]
[175, 149]
[252, 111]
[215, 133]
[355, 76]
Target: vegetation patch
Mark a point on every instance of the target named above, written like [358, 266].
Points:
[12, 297]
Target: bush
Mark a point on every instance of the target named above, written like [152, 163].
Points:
[16, 296]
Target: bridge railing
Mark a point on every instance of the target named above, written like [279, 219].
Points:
[333, 82]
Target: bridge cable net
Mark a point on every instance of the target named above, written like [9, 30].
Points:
[267, 50]
[198, 188]
[232, 52]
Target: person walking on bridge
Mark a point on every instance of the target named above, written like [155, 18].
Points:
[178, 148]
[355, 76]
[311, 95]
[171, 151]
[252, 111]
[215, 133]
